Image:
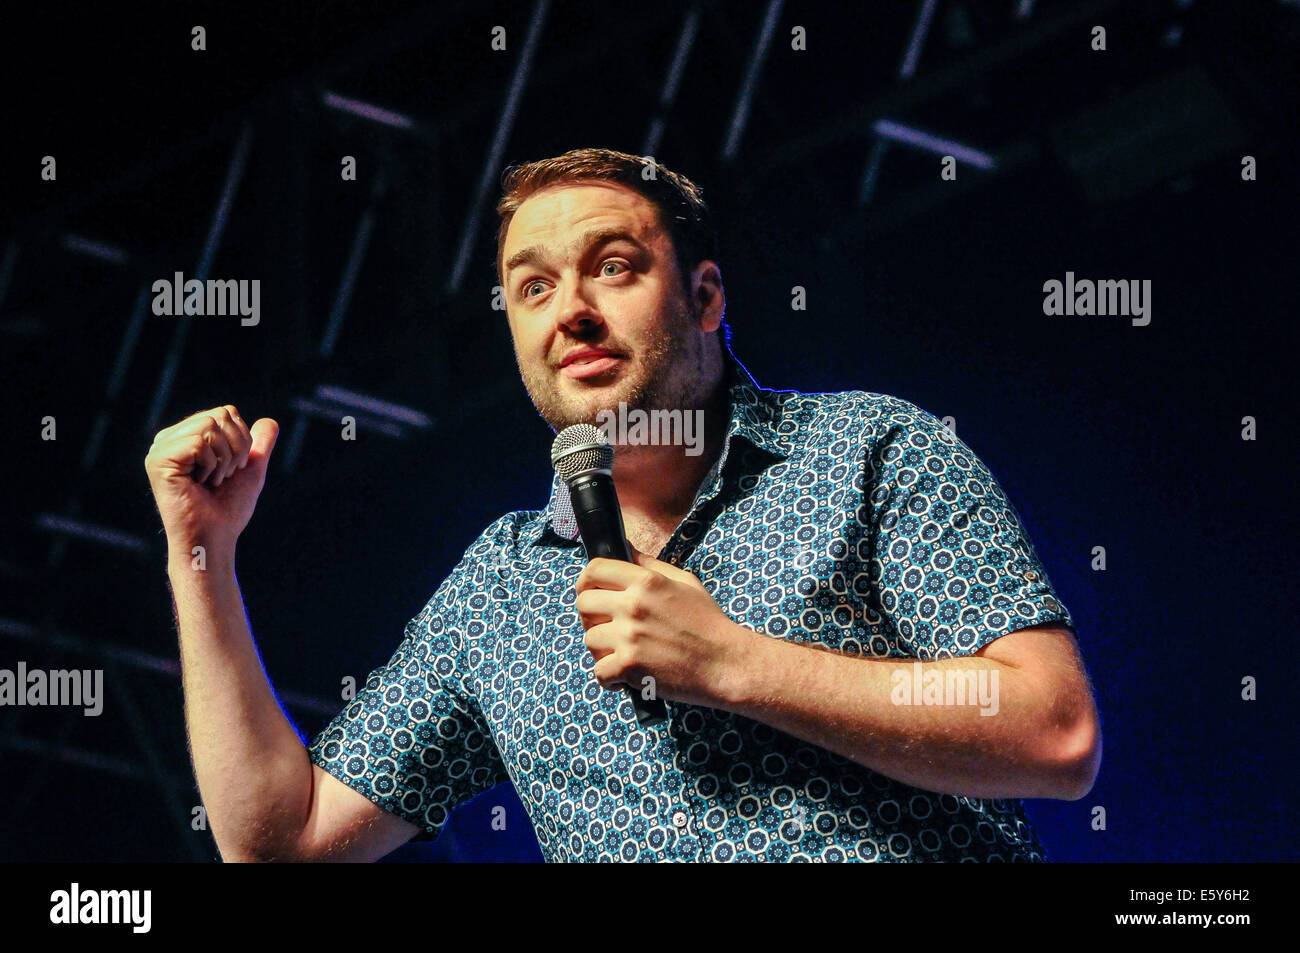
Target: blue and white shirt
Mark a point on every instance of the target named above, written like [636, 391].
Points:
[852, 520]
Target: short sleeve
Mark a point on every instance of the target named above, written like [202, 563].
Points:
[414, 740]
[953, 565]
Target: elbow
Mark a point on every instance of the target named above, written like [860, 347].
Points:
[1077, 758]
[270, 848]
[256, 855]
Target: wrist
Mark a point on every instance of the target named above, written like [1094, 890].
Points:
[743, 682]
[195, 557]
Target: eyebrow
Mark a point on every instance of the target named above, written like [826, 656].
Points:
[534, 254]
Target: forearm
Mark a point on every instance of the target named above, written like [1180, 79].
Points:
[1008, 742]
[253, 772]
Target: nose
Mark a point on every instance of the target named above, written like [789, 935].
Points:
[575, 313]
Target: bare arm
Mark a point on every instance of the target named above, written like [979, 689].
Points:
[1043, 741]
[1029, 728]
[264, 798]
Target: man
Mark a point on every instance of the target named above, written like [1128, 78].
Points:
[861, 655]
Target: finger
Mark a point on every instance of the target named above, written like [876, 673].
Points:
[216, 439]
[646, 561]
[264, 433]
[606, 672]
[613, 675]
[194, 423]
[234, 440]
[600, 640]
[242, 441]
[245, 432]
[204, 457]
[603, 573]
[596, 606]
[668, 569]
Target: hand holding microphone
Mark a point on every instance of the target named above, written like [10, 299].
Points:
[584, 460]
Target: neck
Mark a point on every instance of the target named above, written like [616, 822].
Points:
[658, 483]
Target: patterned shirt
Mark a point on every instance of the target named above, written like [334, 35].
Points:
[855, 521]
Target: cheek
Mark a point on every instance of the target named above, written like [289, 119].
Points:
[529, 345]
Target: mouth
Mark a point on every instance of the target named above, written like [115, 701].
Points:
[589, 363]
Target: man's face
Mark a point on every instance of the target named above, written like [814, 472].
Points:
[596, 305]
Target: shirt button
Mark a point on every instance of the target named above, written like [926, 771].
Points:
[1031, 576]
[679, 818]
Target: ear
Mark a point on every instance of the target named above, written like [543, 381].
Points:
[708, 300]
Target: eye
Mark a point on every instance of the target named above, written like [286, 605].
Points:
[611, 261]
[531, 284]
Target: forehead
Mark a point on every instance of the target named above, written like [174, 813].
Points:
[557, 214]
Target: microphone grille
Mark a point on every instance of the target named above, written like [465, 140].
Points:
[579, 448]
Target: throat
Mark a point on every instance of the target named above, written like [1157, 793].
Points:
[649, 536]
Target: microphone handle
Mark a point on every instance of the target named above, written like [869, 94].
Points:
[600, 523]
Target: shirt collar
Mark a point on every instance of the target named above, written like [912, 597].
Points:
[755, 416]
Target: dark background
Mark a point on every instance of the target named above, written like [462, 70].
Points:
[1120, 164]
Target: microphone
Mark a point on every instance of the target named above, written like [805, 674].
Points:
[584, 460]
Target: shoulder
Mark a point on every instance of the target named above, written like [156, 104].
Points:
[495, 546]
[499, 543]
[873, 420]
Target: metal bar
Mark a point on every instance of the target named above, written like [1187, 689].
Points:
[927, 142]
[7, 268]
[919, 32]
[740, 115]
[360, 241]
[167, 380]
[504, 126]
[899, 101]
[136, 659]
[171, 789]
[869, 178]
[81, 757]
[115, 378]
[668, 95]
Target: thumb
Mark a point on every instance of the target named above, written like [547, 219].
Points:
[264, 433]
[645, 560]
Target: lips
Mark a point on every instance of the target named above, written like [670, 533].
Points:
[590, 365]
[588, 362]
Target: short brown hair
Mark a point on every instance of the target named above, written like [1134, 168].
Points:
[677, 199]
